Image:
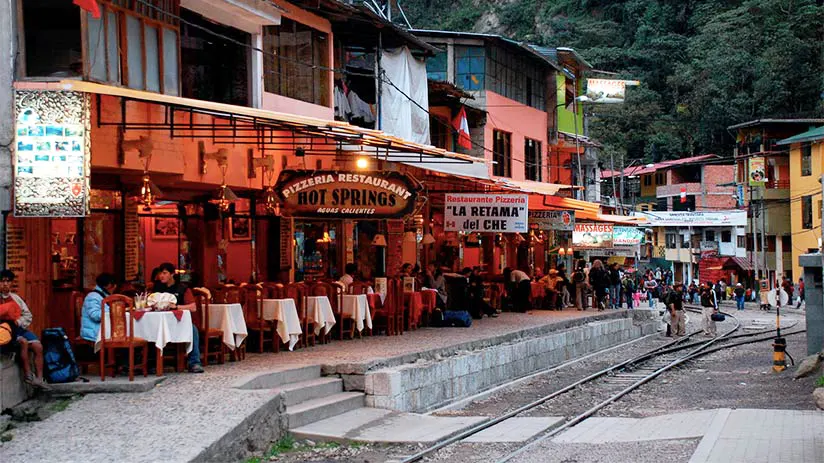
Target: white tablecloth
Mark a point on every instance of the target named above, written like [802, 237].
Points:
[319, 311]
[228, 318]
[356, 307]
[286, 313]
[160, 328]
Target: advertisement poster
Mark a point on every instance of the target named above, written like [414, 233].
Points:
[51, 158]
[486, 213]
[592, 235]
[757, 172]
[628, 236]
[552, 220]
[608, 91]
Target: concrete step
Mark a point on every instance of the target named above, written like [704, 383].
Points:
[323, 408]
[303, 391]
[276, 379]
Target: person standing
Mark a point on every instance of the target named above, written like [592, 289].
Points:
[564, 286]
[800, 292]
[580, 281]
[629, 289]
[518, 287]
[722, 289]
[600, 281]
[709, 304]
[651, 286]
[614, 286]
[739, 293]
[675, 304]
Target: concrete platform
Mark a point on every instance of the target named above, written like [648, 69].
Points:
[377, 425]
[516, 429]
[120, 384]
[598, 430]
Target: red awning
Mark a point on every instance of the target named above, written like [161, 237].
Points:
[736, 263]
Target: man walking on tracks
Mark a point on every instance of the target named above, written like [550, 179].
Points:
[709, 302]
[675, 304]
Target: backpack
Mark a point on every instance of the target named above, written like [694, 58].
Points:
[578, 276]
[5, 333]
[459, 318]
[629, 286]
[59, 364]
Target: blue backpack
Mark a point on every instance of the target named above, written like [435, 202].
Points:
[459, 318]
[59, 364]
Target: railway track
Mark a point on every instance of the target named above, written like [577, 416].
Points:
[610, 384]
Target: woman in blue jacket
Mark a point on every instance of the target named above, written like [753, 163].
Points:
[90, 320]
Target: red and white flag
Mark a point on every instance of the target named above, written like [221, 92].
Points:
[683, 194]
[90, 6]
[462, 127]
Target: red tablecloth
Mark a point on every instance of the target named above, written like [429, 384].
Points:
[374, 302]
[536, 290]
[429, 301]
[414, 302]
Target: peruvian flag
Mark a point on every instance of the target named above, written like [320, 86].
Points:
[683, 194]
[90, 6]
[462, 127]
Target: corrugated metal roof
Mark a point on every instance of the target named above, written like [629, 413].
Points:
[641, 170]
[757, 122]
[810, 135]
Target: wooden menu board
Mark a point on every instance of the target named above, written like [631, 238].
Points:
[16, 255]
[131, 260]
[285, 243]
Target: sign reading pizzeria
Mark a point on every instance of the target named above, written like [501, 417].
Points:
[552, 220]
[486, 213]
[345, 194]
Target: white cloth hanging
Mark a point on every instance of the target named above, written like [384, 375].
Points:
[360, 109]
[342, 108]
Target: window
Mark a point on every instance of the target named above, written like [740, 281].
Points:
[52, 39]
[741, 241]
[532, 159]
[807, 212]
[648, 180]
[214, 69]
[671, 241]
[436, 66]
[469, 67]
[726, 236]
[502, 154]
[770, 243]
[438, 134]
[806, 160]
[516, 77]
[710, 235]
[296, 62]
[135, 45]
[787, 243]
[660, 178]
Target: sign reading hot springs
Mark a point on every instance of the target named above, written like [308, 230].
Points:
[345, 195]
[486, 213]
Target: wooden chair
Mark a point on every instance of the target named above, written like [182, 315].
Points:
[398, 303]
[83, 348]
[384, 317]
[201, 320]
[323, 288]
[119, 336]
[357, 287]
[266, 329]
[297, 292]
[227, 294]
[271, 290]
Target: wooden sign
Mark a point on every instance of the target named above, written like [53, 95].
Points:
[16, 256]
[351, 195]
[131, 259]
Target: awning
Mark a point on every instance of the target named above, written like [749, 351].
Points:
[243, 120]
[529, 186]
[736, 263]
[622, 219]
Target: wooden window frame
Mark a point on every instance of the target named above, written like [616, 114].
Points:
[274, 77]
[806, 160]
[532, 161]
[503, 167]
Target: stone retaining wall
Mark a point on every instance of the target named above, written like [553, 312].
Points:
[430, 383]
[12, 388]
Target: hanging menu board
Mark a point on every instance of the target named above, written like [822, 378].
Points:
[16, 255]
[285, 243]
[131, 260]
[51, 154]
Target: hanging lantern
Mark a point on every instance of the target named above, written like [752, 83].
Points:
[270, 201]
[224, 198]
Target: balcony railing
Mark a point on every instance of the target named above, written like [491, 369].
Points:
[778, 184]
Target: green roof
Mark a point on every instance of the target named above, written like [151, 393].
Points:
[810, 135]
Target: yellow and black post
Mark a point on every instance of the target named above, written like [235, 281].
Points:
[780, 344]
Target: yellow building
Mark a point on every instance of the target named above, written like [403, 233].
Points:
[806, 152]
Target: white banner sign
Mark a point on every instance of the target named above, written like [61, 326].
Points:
[696, 219]
[486, 213]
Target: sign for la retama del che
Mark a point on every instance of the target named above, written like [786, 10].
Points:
[486, 213]
[377, 195]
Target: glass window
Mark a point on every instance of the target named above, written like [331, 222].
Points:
[741, 241]
[806, 160]
[97, 49]
[502, 154]
[532, 159]
[171, 82]
[113, 46]
[296, 63]
[710, 235]
[787, 243]
[436, 66]
[671, 241]
[469, 67]
[152, 59]
[726, 236]
[134, 37]
[807, 212]
[648, 180]
[52, 39]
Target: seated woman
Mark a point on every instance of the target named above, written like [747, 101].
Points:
[90, 317]
[348, 276]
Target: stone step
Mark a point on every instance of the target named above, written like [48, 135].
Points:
[303, 391]
[323, 408]
[279, 378]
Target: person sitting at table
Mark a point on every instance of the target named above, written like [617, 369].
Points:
[406, 270]
[551, 284]
[15, 312]
[348, 277]
[90, 317]
[518, 287]
[477, 305]
[438, 283]
[185, 301]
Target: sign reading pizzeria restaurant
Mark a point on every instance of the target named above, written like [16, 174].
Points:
[552, 220]
[486, 213]
[377, 195]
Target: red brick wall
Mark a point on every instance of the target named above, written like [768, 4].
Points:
[718, 197]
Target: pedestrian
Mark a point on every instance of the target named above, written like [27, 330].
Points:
[788, 288]
[658, 274]
[580, 283]
[675, 304]
[600, 281]
[518, 287]
[614, 286]
[709, 304]
[801, 294]
[739, 293]
[722, 289]
[565, 286]
[629, 290]
[651, 286]
[692, 292]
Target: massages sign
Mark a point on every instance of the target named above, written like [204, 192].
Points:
[348, 195]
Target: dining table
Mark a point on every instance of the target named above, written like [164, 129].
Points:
[413, 303]
[320, 313]
[160, 328]
[229, 319]
[286, 313]
[356, 307]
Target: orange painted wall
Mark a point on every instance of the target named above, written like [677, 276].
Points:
[522, 122]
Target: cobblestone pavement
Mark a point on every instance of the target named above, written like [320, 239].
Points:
[186, 413]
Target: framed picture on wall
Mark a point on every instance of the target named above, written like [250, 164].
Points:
[240, 229]
[165, 228]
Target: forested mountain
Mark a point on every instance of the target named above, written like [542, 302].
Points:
[703, 64]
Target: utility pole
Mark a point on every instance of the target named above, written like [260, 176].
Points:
[612, 178]
[763, 233]
[754, 236]
[621, 187]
